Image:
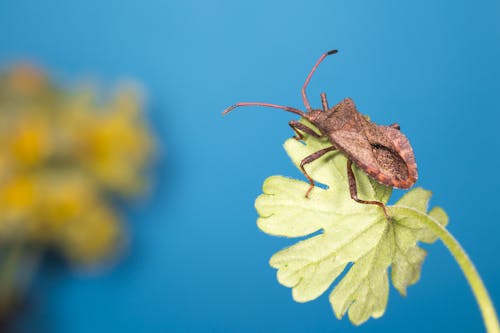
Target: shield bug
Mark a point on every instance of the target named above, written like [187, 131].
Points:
[382, 152]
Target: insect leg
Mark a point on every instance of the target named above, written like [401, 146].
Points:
[354, 191]
[304, 97]
[295, 125]
[309, 159]
[324, 102]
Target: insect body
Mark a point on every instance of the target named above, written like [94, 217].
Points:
[382, 152]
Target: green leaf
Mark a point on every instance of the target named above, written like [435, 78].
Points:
[345, 232]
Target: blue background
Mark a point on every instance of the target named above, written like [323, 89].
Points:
[197, 262]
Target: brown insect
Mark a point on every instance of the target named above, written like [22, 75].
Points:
[383, 152]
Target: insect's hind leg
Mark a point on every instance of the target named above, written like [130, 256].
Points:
[295, 125]
[309, 159]
[354, 191]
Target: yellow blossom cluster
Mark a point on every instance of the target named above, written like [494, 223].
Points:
[62, 155]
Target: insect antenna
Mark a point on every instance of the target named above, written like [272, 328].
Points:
[286, 108]
[304, 97]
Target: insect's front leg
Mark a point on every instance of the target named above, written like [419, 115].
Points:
[295, 125]
[309, 159]
[354, 191]
[324, 102]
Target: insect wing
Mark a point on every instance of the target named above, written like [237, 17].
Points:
[408, 174]
[391, 165]
[358, 149]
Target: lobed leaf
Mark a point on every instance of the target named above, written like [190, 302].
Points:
[345, 233]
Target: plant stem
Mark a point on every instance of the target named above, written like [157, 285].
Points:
[480, 293]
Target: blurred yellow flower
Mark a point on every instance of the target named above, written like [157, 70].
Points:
[17, 205]
[85, 239]
[114, 144]
[62, 154]
[29, 139]
[18, 195]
